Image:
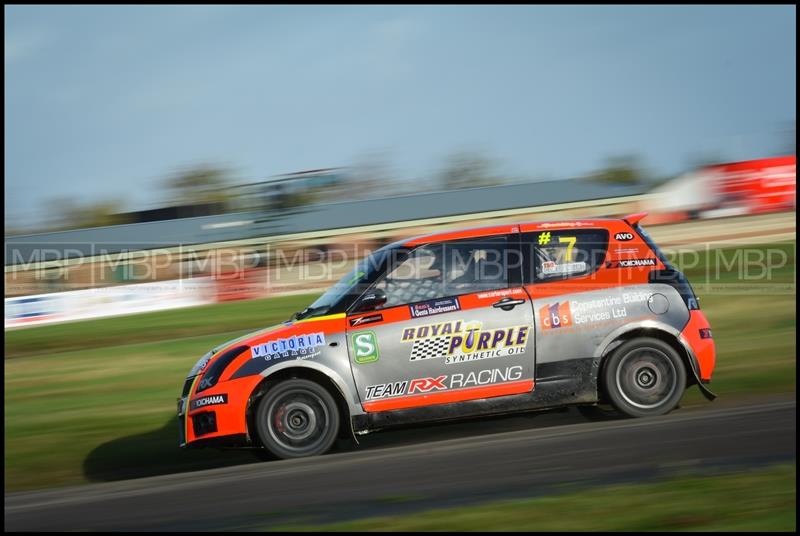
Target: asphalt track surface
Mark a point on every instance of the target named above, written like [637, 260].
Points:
[480, 463]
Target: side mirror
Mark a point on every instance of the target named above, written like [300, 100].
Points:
[372, 300]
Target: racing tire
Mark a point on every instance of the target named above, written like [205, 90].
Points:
[297, 418]
[644, 377]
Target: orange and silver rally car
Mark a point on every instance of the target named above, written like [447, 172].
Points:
[459, 324]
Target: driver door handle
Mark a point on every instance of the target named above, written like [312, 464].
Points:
[506, 304]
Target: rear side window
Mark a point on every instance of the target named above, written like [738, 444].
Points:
[564, 253]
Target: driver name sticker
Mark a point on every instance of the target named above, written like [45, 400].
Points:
[434, 307]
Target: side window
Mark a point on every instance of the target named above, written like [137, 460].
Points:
[417, 278]
[565, 253]
[447, 269]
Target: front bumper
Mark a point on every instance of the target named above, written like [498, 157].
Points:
[215, 413]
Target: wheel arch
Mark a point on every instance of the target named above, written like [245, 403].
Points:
[656, 330]
[314, 372]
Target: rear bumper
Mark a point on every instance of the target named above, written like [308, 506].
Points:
[703, 349]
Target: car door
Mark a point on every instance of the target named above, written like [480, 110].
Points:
[457, 325]
[575, 301]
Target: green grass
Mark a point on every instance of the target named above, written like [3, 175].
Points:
[95, 414]
[106, 411]
[754, 328]
[150, 327]
[95, 400]
[757, 500]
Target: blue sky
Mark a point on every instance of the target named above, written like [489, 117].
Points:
[104, 102]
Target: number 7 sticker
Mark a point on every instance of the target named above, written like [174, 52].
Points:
[570, 240]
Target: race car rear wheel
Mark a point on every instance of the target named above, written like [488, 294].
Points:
[644, 377]
[297, 418]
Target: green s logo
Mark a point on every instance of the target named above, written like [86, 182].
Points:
[365, 347]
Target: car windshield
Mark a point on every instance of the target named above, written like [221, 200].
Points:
[362, 271]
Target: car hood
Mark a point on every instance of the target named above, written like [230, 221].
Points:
[253, 337]
[289, 340]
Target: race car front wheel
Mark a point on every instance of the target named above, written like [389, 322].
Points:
[297, 418]
[644, 377]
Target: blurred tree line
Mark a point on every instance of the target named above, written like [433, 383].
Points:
[68, 213]
[211, 189]
[208, 189]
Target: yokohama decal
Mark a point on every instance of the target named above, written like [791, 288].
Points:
[631, 263]
[210, 400]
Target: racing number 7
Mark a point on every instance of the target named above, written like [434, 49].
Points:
[570, 240]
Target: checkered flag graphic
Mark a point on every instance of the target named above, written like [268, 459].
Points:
[433, 347]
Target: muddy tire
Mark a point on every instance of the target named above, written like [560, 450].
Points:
[644, 377]
[297, 418]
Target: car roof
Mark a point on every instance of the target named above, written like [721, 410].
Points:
[508, 228]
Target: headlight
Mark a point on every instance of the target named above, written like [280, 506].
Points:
[201, 364]
[214, 372]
